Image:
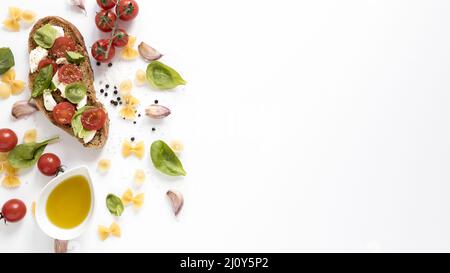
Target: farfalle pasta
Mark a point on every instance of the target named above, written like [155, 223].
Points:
[176, 146]
[139, 177]
[137, 201]
[140, 78]
[30, 136]
[128, 149]
[128, 111]
[105, 232]
[128, 52]
[10, 179]
[12, 23]
[15, 15]
[16, 86]
[104, 165]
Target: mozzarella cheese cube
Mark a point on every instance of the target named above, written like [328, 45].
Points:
[62, 61]
[61, 86]
[49, 101]
[60, 31]
[36, 55]
[82, 103]
[89, 137]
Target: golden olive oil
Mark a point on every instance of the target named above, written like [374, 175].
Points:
[69, 203]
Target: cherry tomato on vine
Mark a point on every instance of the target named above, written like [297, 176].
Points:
[99, 51]
[93, 119]
[8, 140]
[105, 20]
[45, 62]
[63, 113]
[127, 10]
[13, 211]
[120, 38]
[49, 164]
[106, 4]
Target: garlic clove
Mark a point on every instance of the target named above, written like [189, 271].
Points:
[157, 111]
[148, 53]
[79, 4]
[177, 200]
[23, 108]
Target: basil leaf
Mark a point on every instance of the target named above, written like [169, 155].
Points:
[75, 92]
[25, 155]
[77, 126]
[42, 81]
[75, 57]
[6, 60]
[162, 76]
[165, 160]
[114, 205]
[45, 36]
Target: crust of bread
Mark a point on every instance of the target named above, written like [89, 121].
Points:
[88, 79]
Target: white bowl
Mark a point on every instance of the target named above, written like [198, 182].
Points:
[41, 215]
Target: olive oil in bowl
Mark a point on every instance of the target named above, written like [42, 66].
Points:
[69, 203]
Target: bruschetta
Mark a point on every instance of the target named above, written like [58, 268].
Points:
[61, 81]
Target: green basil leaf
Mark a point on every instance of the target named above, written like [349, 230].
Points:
[162, 76]
[165, 160]
[114, 204]
[26, 155]
[42, 81]
[6, 60]
[75, 92]
[77, 126]
[75, 57]
[45, 36]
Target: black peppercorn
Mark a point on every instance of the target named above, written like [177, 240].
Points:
[110, 64]
[98, 63]
[153, 129]
[134, 122]
[118, 98]
[139, 115]
[106, 94]
[115, 92]
[156, 101]
[107, 86]
[132, 139]
[101, 91]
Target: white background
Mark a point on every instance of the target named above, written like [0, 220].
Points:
[307, 125]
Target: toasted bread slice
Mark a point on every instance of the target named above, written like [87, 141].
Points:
[88, 79]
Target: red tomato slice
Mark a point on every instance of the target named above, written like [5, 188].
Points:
[63, 113]
[45, 62]
[61, 46]
[69, 73]
[93, 119]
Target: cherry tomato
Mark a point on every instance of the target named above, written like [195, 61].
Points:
[120, 38]
[93, 119]
[127, 10]
[106, 4]
[63, 113]
[69, 73]
[99, 51]
[105, 20]
[45, 62]
[61, 46]
[8, 140]
[13, 211]
[49, 164]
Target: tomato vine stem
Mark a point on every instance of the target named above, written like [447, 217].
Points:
[113, 35]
